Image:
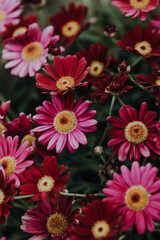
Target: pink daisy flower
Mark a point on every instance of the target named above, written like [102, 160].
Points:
[156, 21]
[137, 193]
[3, 238]
[3, 113]
[13, 158]
[133, 134]
[28, 52]
[48, 219]
[136, 7]
[63, 123]
[10, 10]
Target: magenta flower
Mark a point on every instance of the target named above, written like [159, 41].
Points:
[137, 194]
[48, 219]
[13, 158]
[28, 52]
[3, 113]
[156, 21]
[133, 134]
[10, 10]
[136, 7]
[63, 123]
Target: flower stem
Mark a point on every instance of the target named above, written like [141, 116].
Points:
[139, 85]
[103, 159]
[136, 61]
[81, 194]
[22, 197]
[120, 100]
[110, 113]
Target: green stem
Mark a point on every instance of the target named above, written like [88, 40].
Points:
[81, 194]
[120, 100]
[110, 113]
[136, 61]
[103, 159]
[139, 85]
[22, 197]
[17, 205]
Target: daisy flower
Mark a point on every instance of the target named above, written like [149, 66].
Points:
[100, 220]
[137, 194]
[7, 190]
[156, 21]
[44, 181]
[157, 139]
[108, 86]
[10, 10]
[28, 52]
[155, 92]
[63, 122]
[97, 60]
[13, 31]
[68, 23]
[3, 238]
[144, 42]
[13, 158]
[136, 7]
[3, 113]
[132, 135]
[50, 220]
[152, 80]
[67, 74]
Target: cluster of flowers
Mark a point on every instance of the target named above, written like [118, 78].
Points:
[133, 196]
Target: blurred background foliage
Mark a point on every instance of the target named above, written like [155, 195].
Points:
[88, 174]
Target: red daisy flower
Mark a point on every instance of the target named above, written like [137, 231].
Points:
[136, 7]
[3, 113]
[13, 31]
[152, 80]
[48, 219]
[67, 74]
[156, 21]
[108, 86]
[157, 139]
[155, 92]
[137, 194]
[44, 181]
[133, 134]
[144, 42]
[68, 23]
[100, 220]
[7, 190]
[97, 60]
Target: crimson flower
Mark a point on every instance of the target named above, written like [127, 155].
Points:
[107, 86]
[67, 73]
[100, 220]
[144, 42]
[44, 181]
[132, 135]
[3, 113]
[68, 23]
[7, 191]
[156, 21]
[152, 80]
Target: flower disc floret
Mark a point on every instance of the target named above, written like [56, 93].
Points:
[57, 224]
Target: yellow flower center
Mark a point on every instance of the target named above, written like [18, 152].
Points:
[57, 224]
[96, 68]
[70, 29]
[9, 165]
[20, 30]
[2, 128]
[65, 121]
[143, 47]
[65, 82]
[157, 82]
[45, 184]
[139, 4]
[136, 132]
[2, 15]
[2, 196]
[100, 229]
[28, 138]
[32, 51]
[136, 198]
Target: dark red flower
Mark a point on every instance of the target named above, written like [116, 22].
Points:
[100, 220]
[157, 139]
[44, 181]
[7, 190]
[13, 31]
[3, 113]
[89, 198]
[155, 92]
[144, 42]
[152, 80]
[107, 86]
[68, 23]
[97, 60]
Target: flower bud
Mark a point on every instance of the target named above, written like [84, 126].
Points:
[110, 31]
[98, 150]
[124, 67]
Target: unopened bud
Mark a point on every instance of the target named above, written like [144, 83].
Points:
[110, 31]
[53, 50]
[98, 150]
[124, 67]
